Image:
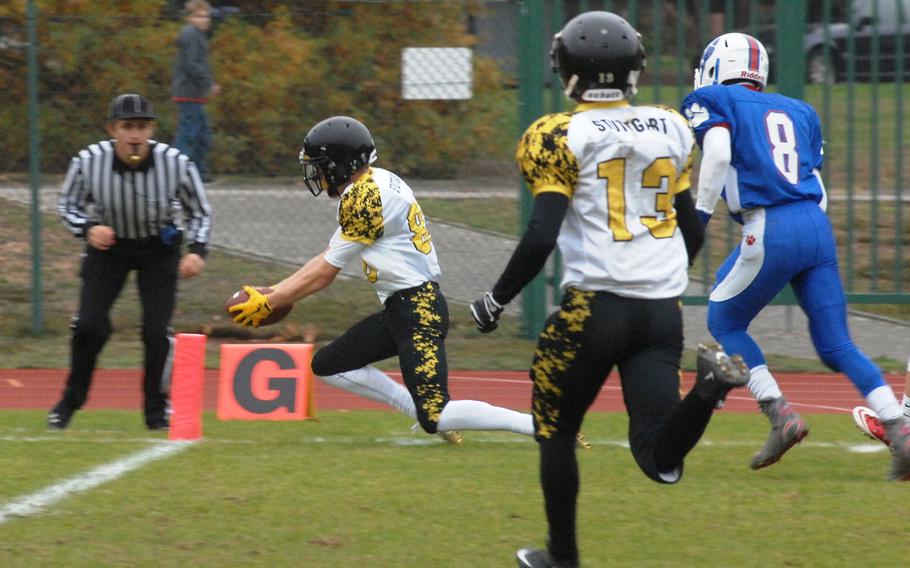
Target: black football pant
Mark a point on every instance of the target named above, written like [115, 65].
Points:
[578, 348]
[104, 274]
[413, 325]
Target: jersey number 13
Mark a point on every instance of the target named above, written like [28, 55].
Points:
[614, 171]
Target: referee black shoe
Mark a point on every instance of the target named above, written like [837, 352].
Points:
[161, 425]
[539, 558]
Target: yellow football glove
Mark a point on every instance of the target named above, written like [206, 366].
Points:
[254, 310]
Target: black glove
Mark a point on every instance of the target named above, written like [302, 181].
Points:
[486, 312]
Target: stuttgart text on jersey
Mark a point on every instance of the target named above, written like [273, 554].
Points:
[631, 125]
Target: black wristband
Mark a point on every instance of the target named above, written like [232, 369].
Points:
[199, 248]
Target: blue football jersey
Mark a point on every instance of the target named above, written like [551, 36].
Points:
[776, 143]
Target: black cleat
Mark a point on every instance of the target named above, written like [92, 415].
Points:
[59, 417]
[161, 425]
[539, 558]
[717, 373]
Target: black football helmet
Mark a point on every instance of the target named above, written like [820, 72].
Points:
[598, 56]
[332, 151]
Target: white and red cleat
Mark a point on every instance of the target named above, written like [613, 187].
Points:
[869, 424]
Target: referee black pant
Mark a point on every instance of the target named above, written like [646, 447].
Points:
[104, 274]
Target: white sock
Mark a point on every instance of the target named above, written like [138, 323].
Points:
[371, 383]
[883, 402]
[477, 415]
[906, 405]
[762, 384]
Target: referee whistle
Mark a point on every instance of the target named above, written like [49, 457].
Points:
[135, 158]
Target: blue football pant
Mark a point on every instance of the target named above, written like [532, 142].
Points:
[790, 244]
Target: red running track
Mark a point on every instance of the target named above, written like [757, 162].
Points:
[121, 389]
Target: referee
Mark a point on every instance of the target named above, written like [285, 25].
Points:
[134, 201]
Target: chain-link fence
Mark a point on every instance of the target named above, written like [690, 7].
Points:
[406, 69]
[439, 109]
[438, 83]
[845, 58]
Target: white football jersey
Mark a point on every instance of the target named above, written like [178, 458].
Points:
[620, 165]
[380, 220]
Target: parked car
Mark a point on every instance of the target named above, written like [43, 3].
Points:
[862, 20]
[860, 16]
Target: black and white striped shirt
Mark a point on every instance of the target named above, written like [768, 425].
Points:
[138, 203]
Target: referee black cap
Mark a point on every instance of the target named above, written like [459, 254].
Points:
[128, 106]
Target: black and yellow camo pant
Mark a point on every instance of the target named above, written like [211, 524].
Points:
[413, 325]
[592, 333]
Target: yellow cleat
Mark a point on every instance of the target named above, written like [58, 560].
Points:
[582, 442]
[451, 436]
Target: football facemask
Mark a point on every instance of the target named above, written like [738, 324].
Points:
[313, 177]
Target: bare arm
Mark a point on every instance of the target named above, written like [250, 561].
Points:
[313, 276]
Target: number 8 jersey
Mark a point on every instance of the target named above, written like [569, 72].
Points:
[380, 220]
[621, 166]
[776, 144]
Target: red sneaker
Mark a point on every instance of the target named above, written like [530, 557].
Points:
[870, 425]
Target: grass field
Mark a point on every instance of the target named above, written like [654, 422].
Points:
[358, 489]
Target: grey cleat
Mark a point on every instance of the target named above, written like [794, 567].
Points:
[787, 429]
[898, 431]
[539, 558]
[717, 373]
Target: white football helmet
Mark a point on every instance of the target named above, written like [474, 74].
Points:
[733, 57]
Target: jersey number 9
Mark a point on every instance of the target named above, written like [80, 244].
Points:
[418, 226]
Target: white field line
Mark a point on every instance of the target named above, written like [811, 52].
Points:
[608, 387]
[506, 438]
[43, 498]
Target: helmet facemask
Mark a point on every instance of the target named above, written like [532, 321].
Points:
[313, 176]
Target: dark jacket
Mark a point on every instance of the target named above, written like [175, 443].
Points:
[192, 75]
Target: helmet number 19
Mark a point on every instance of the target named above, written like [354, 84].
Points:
[418, 226]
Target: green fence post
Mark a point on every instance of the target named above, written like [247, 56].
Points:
[34, 163]
[557, 102]
[791, 61]
[899, 149]
[530, 108]
[791, 68]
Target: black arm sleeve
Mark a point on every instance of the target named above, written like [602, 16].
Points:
[535, 247]
[693, 231]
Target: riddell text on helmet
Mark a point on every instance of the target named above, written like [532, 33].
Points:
[751, 75]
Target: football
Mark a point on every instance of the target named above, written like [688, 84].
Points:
[240, 296]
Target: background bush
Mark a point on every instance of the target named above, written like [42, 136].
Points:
[283, 67]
